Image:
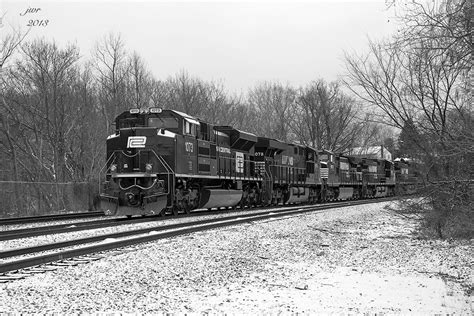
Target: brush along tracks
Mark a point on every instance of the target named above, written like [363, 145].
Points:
[107, 242]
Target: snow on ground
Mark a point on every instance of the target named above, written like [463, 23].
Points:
[349, 260]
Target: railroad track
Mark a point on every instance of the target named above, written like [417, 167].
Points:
[70, 227]
[12, 234]
[61, 256]
[44, 218]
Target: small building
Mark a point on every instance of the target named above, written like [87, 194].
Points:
[371, 152]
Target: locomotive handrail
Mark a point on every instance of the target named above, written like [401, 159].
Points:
[169, 172]
[114, 156]
[157, 194]
[129, 156]
[137, 185]
[106, 163]
[163, 162]
[102, 170]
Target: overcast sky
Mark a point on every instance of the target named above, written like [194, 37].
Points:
[239, 42]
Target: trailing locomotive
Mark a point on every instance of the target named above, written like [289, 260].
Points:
[161, 161]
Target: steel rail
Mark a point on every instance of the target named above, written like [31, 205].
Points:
[44, 218]
[69, 227]
[182, 229]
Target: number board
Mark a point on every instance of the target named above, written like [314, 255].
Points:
[189, 147]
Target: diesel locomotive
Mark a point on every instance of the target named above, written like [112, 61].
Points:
[165, 161]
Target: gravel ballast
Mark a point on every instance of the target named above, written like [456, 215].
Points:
[346, 260]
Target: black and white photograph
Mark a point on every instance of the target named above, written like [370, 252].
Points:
[236, 157]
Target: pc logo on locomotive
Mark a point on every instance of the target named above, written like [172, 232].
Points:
[136, 142]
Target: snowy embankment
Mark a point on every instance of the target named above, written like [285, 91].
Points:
[354, 259]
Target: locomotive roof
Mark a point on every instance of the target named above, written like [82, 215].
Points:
[239, 139]
[187, 117]
[271, 143]
[231, 131]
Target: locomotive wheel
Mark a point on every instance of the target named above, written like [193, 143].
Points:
[187, 209]
[175, 210]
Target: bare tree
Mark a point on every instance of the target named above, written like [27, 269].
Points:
[111, 67]
[139, 83]
[187, 94]
[49, 70]
[9, 43]
[86, 148]
[448, 23]
[274, 104]
[159, 93]
[326, 117]
[217, 103]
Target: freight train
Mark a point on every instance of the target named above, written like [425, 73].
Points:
[167, 162]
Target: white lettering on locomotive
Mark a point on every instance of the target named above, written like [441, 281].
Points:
[223, 150]
[136, 142]
[239, 162]
[189, 147]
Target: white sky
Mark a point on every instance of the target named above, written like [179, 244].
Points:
[238, 42]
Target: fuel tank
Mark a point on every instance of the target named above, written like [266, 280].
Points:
[219, 198]
[345, 193]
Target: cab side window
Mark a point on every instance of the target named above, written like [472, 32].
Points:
[189, 129]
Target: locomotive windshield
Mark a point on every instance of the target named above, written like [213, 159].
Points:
[130, 122]
[163, 122]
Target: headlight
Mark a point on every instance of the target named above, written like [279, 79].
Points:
[113, 168]
[148, 167]
[155, 110]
